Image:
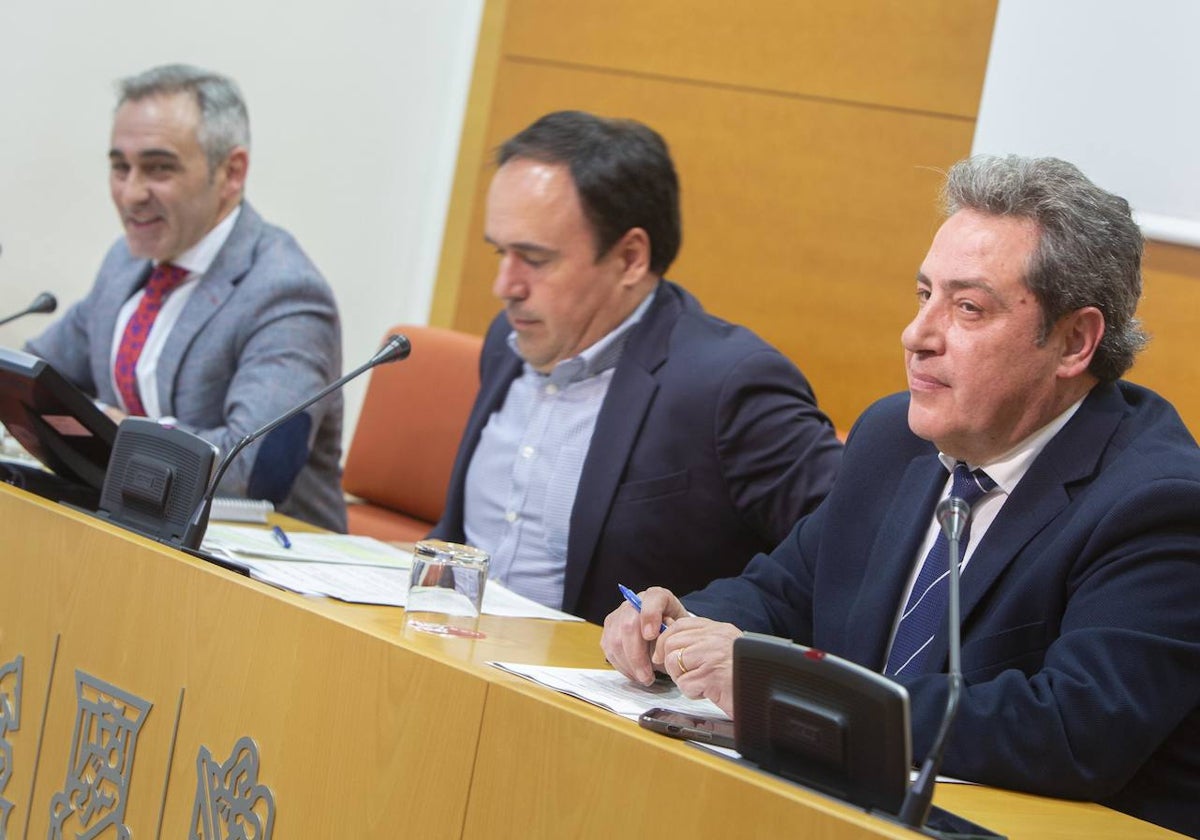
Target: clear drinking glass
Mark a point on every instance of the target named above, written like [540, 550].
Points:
[445, 592]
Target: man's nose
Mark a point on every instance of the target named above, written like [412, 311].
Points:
[923, 332]
[508, 284]
[133, 189]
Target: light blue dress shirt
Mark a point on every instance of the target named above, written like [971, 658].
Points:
[521, 483]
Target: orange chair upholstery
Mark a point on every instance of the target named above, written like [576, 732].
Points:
[408, 432]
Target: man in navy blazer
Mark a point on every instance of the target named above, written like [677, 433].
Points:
[1081, 575]
[252, 328]
[621, 434]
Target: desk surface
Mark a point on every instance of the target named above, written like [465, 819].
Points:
[361, 729]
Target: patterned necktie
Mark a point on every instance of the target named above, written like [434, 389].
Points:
[162, 282]
[925, 611]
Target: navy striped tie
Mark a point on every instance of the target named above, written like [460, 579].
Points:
[925, 611]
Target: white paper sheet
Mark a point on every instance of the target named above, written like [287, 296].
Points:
[367, 584]
[612, 690]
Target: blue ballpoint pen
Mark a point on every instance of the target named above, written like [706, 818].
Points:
[632, 598]
[281, 537]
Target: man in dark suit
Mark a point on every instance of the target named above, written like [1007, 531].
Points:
[621, 433]
[204, 316]
[1081, 576]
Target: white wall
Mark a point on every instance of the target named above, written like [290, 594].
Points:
[355, 113]
[1113, 87]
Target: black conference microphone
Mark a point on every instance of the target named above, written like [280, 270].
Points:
[43, 304]
[396, 347]
[952, 514]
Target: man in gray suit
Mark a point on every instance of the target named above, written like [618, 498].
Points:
[203, 315]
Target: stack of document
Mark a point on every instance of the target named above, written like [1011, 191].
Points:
[240, 543]
[357, 569]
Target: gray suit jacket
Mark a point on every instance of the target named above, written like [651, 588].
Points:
[259, 335]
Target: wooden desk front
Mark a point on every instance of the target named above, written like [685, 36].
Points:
[134, 659]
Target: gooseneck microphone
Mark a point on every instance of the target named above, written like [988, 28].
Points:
[43, 304]
[952, 515]
[396, 347]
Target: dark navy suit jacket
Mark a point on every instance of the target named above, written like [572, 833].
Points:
[708, 447]
[1081, 603]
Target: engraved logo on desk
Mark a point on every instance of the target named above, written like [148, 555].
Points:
[230, 803]
[107, 722]
[10, 721]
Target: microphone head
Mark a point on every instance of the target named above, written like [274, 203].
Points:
[44, 303]
[396, 347]
[952, 514]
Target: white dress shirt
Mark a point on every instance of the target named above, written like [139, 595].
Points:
[196, 260]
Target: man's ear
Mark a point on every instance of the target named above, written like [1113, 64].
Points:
[234, 169]
[1080, 332]
[632, 251]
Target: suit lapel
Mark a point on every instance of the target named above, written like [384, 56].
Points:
[231, 264]
[498, 366]
[893, 553]
[629, 397]
[118, 288]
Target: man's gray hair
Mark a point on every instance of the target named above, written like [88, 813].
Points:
[224, 123]
[1089, 249]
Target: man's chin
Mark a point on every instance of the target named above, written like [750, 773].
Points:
[922, 422]
[142, 249]
[531, 353]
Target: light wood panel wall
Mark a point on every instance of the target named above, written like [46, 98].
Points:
[1170, 311]
[809, 138]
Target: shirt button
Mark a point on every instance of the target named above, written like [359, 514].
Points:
[552, 389]
[510, 516]
[526, 451]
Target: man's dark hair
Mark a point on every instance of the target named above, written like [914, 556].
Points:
[622, 171]
[1089, 250]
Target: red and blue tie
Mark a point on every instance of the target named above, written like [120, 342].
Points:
[163, 280]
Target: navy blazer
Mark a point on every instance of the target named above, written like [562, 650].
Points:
[259, 334]
[1081, 603]
[708, 447]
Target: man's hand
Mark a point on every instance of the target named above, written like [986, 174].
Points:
[630, 636]
[695, 652]
[698, 654]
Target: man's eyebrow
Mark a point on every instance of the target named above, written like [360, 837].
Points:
[145, 153]
[959, 284]
[519, 246]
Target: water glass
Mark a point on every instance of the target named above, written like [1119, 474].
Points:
[445, 592]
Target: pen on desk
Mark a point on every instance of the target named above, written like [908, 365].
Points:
[632, 598]
[281, 537]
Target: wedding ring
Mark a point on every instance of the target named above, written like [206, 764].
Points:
[683, 669]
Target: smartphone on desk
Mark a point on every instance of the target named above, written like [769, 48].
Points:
[708, 730]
